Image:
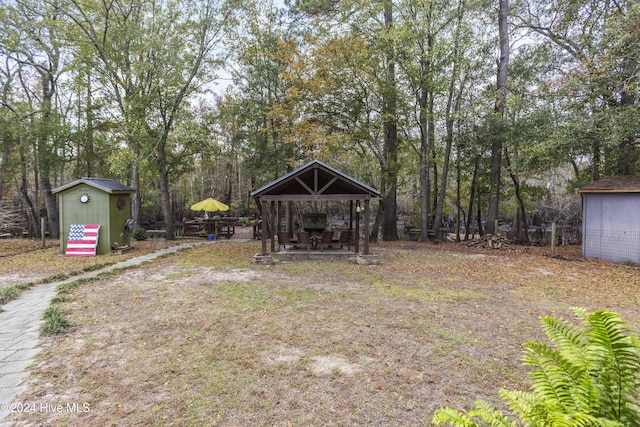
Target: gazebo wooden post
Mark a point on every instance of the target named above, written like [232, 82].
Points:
[289, 217]
[357, 238]
[366, 227]
[274, 227]
[264, 227]
[350, 214]
[279, 217]
[275, 224]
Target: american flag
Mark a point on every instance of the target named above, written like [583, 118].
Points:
[83, 240]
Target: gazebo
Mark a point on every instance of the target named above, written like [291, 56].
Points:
[315, 181]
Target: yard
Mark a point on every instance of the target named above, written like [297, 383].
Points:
[204, 337]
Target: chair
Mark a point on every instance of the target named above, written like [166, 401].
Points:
[304, 239]
[344, 239]
[283, 240]
[326, 239]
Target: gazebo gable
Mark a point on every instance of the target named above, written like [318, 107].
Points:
[315, 181]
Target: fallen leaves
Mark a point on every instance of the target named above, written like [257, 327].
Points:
[204, 337]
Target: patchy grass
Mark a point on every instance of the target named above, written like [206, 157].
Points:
[203, 337]
[222, 254]
[9, 293]
[24, 263]
[55, 321]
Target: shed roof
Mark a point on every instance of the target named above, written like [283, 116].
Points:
[107, 185]
[315, 181]
[614, 184]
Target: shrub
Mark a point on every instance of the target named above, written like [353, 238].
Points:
[590, 378]
[140, 234]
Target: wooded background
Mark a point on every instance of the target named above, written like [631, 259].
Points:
[460, 112]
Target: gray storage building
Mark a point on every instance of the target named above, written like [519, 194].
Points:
[611, 219]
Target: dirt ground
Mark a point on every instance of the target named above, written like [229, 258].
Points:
[205, 337]
[25, 262]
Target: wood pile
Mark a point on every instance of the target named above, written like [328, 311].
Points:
[490, 242]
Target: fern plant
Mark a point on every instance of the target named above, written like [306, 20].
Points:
[588, 377]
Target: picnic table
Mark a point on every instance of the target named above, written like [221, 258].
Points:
[218, 226]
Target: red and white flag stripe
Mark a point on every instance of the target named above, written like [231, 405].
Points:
[83, 240]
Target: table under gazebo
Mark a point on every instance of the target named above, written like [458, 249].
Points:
[315, 181]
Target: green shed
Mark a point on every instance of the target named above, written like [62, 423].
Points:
[95, 201]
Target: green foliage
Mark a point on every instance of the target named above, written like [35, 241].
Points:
[630, 263]
[55, 321]
[8, 294]
[55, 278]
[140, 234]
[65, 288]
[588, 376]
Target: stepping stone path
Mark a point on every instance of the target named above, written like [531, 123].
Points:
[20, 322]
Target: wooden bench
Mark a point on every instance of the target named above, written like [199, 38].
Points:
[156, 233]
[415, 233]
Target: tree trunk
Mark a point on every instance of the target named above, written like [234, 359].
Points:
[425, 176]
[24, 186]
[51, 207]
[434, 165]
[46, 153]
[480, 228]
[458, 201]
[445, 172]
[453, 105]
[425, 102]
[136, 199]
[496, 146]
[89, 137]
[521, 228]
[8, 145]
[472, 197]
[228, 193]
[376, 223]
[390, 172]
[167, 209]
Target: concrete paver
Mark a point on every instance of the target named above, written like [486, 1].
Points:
[20, 322]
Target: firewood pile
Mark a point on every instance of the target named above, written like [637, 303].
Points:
[11, 222]
[489, 241]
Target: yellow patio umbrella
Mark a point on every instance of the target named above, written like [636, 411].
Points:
[209, 205]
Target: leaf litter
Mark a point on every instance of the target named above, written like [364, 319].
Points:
[204, 337]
